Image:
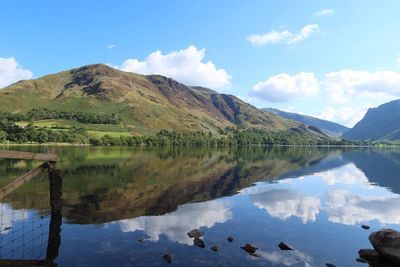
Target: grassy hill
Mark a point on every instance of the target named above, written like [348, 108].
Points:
[143, 104]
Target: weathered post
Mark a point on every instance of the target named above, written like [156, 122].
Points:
[54, 240]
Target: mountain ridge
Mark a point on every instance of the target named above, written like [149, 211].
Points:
[379, 124]
[328, 127]
[145, 104]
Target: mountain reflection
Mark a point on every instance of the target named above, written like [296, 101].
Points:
[108, 184]
[112, 184]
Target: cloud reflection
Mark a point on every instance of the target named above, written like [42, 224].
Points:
[176, 224]
[347, 197]
[287, 258]
[9, 216]
[285, 203]
[346, 207]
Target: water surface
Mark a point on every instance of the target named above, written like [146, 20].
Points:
[126, 206]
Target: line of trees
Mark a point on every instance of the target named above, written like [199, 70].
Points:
[10, 132]
[45, 114]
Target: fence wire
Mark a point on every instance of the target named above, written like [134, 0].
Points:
[23, 234]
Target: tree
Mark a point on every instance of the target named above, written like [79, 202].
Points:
[3, 136]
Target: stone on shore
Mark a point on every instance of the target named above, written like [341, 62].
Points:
[387, 243]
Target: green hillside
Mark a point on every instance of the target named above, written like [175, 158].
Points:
[105, 101]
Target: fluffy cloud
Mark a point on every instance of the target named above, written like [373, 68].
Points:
[348, 174]
[186, 66]
[345, 84]
[274, 37]
[176, 224]
[284, 203]
[11, 71]
[349, 208]
[283, 87]
[324, 12]
[346, 115]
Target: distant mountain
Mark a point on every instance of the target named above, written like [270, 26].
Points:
[378, 124]
[144, 104]
[330, 128]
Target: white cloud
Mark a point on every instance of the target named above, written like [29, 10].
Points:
[111, 46]
[11, 71]
[186, 66]
[304, 34]
[177, 224]
[274, 37]
[287, 258]
[348, 174]
[284, 203]
[324, 12]
[283, 87]
[349, 208]
[9, 216]
[345, 84]
[345, 115]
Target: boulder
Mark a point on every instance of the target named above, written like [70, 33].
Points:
[387, 243]
[195, 233]
[249, 249]
[230, 239]
[214, 248]
[167, 258]
[283, 246]
[199, 243]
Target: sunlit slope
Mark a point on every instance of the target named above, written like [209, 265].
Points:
[145, 104]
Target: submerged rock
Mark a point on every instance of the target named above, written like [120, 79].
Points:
[195, 233]
[387, 243]
[214, 248]
[199, 243]
[283, 246]
[249, 249]
[230, 239]
[366, 227]
[330, 265]
[167, 258]
[369, 254]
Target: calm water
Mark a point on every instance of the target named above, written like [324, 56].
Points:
[125, 207]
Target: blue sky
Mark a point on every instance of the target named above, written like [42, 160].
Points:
[331, 59]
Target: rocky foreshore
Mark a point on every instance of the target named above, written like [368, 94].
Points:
[386, 252]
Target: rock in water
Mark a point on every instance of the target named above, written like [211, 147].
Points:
[283, 246]
[329, 265]
[387, 243]
[195, 233]
[167, 258]
[366, 227]
[368, 254]
[230, 239]
[249, 249]
[199, 243]
[214, 248]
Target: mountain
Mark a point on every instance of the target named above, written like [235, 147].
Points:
[330, 128]
[144, 104]
[379, 124]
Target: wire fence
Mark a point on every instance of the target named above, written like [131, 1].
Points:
[23, 233]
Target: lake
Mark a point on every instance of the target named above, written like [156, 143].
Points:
[129, 207]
